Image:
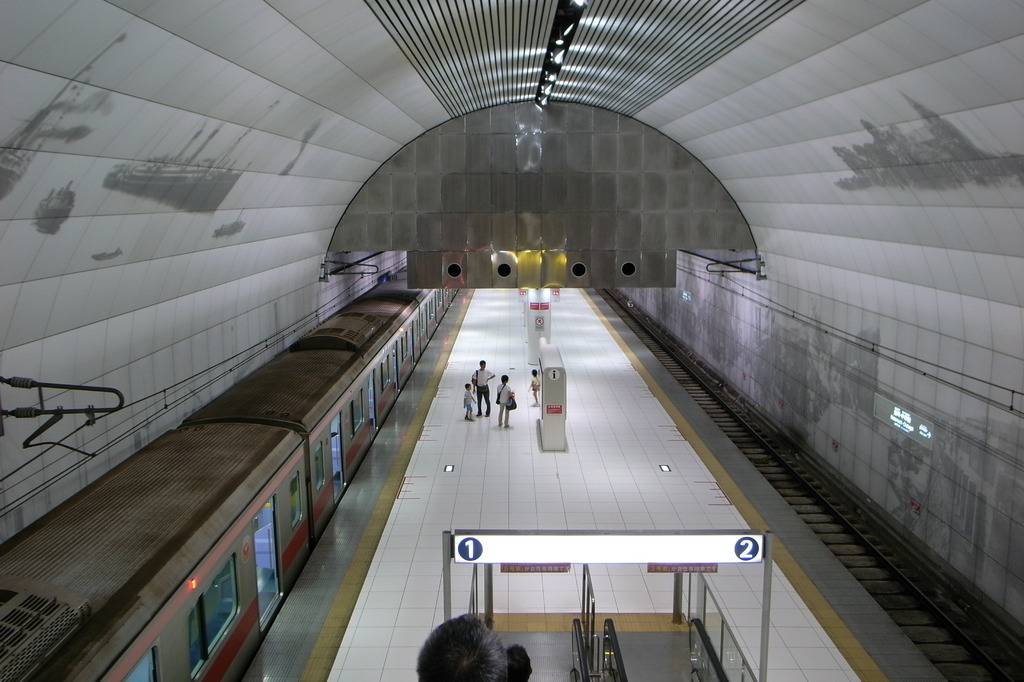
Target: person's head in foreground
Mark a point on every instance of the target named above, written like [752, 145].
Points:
[462, 650]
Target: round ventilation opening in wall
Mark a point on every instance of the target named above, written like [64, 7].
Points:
[504, 269]
[628, 269]
[579, 269]
[454, 270]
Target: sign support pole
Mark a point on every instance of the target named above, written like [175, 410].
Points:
[489, 595]
[766, 605]
[446, 571]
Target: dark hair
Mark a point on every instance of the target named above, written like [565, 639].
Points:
[534, 372]
[504, 378]
[462, 650]
[519, 669]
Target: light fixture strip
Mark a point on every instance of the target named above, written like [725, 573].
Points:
[563, 29]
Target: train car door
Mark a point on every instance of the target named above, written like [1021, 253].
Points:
[371, 402]
[393, 357]
[337, 459]
[268, 577]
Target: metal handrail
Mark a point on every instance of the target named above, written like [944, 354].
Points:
[612, 664]
[580, 660]
[588, 615]
[716, 673]
[718, 649]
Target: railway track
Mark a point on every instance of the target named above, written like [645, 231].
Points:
[960, 648]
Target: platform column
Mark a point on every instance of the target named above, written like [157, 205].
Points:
[538, 321]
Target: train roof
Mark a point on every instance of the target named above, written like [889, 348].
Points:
[294, 390]
[127, 542]
[355, 327]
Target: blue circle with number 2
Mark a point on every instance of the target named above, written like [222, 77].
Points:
[747, 548]
[470, 549]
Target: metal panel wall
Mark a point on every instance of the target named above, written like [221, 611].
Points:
[515, 178]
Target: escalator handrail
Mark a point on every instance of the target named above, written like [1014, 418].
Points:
[580, 663]
[614, 652]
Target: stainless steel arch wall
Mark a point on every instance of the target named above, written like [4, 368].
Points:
[587, 183]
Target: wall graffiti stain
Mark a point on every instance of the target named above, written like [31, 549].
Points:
[935, 155]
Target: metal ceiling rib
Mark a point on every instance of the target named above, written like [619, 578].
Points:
[472, 53]
[626, 54]
[629, 53]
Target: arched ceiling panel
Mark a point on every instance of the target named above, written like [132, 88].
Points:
[626, 54]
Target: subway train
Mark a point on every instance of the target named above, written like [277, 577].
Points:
[173, 564]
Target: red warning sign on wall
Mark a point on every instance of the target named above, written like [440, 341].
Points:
[553, 409]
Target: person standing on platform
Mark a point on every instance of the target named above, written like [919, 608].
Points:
[535, 387]
[504, 393]
[467, 402]
[483, 391]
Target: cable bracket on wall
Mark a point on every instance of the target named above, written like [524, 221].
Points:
[722, 267]
[346, 267]
[56, 413]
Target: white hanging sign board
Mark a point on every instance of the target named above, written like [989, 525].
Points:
[581, 547]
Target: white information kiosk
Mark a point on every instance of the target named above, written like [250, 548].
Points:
[551, 424]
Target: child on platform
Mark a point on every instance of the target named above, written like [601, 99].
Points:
[468, 401]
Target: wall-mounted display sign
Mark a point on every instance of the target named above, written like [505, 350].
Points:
[904, 420]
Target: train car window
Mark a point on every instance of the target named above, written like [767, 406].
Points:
[196, 651]
[220, 603]
[319, 470]
[357, 412]
[211, 617]
[295, 499]
[144, 670]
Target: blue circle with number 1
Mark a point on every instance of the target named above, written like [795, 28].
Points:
[747, 548]
[470, 549]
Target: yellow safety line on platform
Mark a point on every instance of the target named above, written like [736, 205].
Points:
[325, 650]
[850, 647]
